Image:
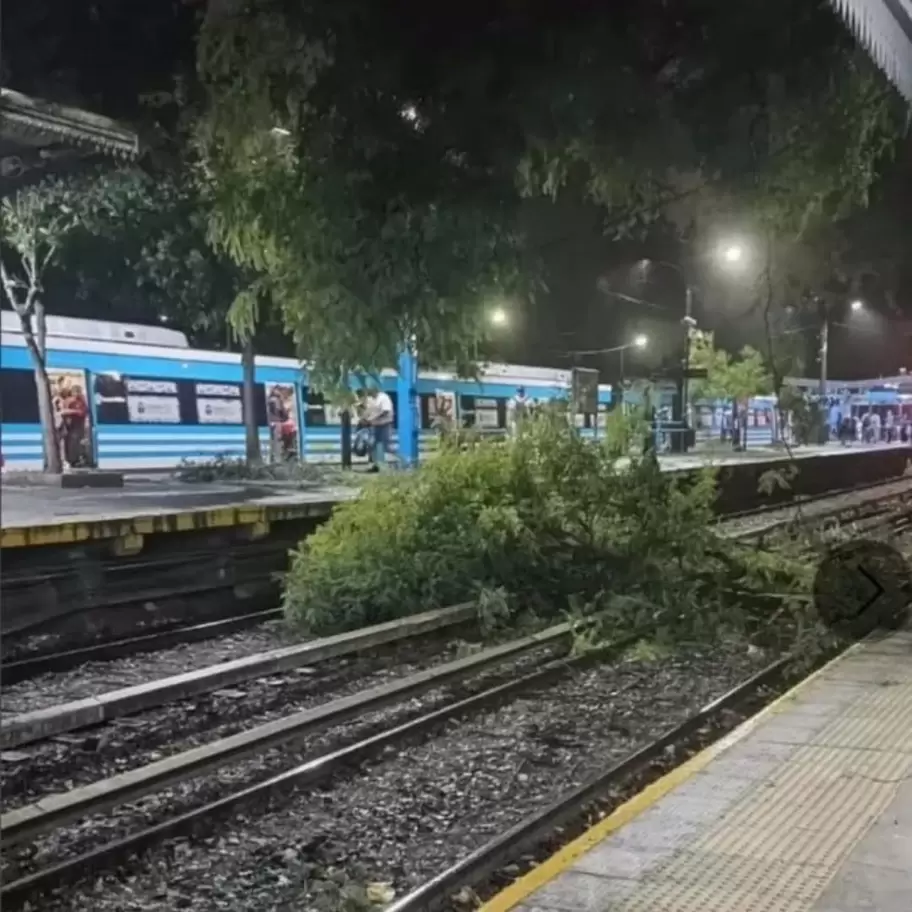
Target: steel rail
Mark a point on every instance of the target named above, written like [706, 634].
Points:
[312, 772]
[52, 811]
[494, 854]
[30, 666]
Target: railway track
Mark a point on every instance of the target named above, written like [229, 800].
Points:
[384, 723]
[852, 505]
[90, 711]
[862, 504]
[30, 822]
[499, 861]
[177, 634]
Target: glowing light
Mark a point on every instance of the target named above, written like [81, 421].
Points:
[640, 341]
[498, 317]
[857, 305]
[733, 253]
[280, 131]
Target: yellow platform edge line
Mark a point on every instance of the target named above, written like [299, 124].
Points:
[523, 888]
[156, 523]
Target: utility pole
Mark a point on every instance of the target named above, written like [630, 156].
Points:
[824, 316]
[679, 442]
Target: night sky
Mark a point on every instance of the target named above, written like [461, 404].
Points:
[107, 55]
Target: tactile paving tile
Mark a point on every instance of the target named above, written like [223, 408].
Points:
[779, 845]
[701, 882]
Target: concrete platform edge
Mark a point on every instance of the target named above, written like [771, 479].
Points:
[525, 887]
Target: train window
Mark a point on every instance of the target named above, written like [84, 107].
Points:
[490, 414]
[121, 400]
[136, 400]
[18, 397]
[467, 411]
[217, 403]
[316, 409]
[426, 410]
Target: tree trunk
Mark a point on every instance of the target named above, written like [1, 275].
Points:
[38, 352]
[251, 431]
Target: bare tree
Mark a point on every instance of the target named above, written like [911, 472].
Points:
[35, 225]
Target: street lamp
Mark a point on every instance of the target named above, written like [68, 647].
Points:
[729, 254]
[733, 253]
[498, 317]
[857, 305]
[640, 341]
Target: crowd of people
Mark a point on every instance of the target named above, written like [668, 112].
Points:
[870, 428]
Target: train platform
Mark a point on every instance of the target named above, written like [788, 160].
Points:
[807, 807]
[145, 505]
[38, 514]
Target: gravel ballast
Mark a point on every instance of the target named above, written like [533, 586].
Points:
[806, 512]
[95, 678]
[84, 757]
[404, 818]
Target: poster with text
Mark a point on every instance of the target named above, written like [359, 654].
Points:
[153, 409]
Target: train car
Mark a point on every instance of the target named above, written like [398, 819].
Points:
[711, 418]
[153, 400]
[479, 403]
[883, 396]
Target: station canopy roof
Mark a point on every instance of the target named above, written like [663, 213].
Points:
[38, 139]
[884, 29]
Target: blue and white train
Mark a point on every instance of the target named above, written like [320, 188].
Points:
[154, 401]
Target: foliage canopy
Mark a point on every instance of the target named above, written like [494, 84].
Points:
[370, 157]
[727, 378]
[547, 519]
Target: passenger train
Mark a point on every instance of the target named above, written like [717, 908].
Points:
[155, 402]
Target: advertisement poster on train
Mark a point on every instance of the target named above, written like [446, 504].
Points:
[486, 414]
[442, 410]
[72, 417]
[153, 410]
[219, 403]
[282, 413]
[152, 401]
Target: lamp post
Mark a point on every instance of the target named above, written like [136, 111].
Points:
[823, 314]
[729, 254]
[639, 341]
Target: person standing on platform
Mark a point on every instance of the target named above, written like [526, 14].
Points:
[74, 415]
[379, 417]
[517, 409]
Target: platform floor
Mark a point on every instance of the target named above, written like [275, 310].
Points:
[28, 506]
[805, 808]
[32, 506]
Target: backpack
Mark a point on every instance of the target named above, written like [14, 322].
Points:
[362, 442]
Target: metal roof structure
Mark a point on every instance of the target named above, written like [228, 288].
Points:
[884, 28]
[39, 138]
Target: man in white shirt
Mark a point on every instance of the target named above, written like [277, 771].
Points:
[378, 414]
[517, 409]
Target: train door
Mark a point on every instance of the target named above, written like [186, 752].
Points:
[73, 417]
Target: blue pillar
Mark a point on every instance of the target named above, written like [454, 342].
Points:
[407, 416]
